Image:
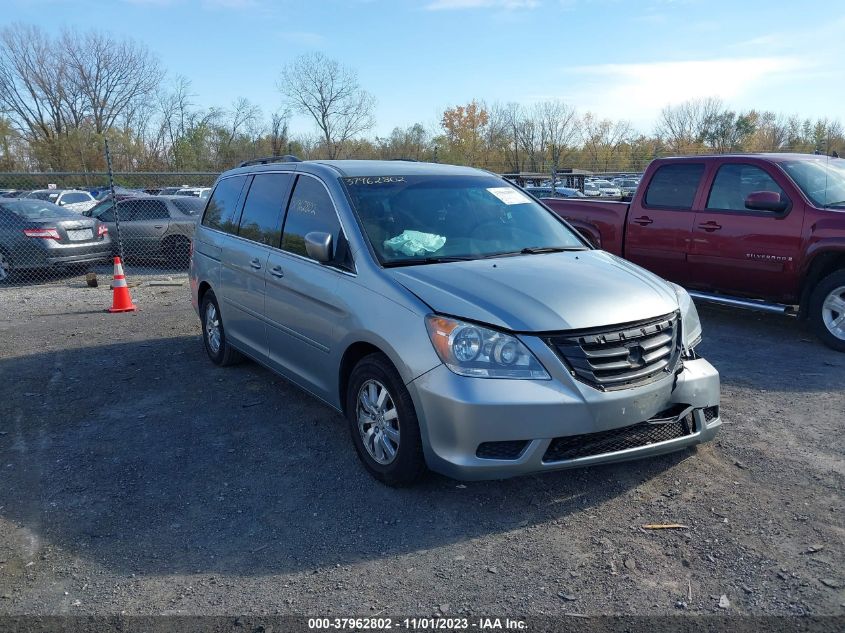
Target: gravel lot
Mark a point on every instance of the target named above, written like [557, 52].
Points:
[137, 478]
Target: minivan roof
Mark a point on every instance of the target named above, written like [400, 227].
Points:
[353, 168]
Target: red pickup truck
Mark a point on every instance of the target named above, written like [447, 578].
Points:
[765, 231]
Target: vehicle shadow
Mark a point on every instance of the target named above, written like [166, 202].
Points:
[147, 459]
[749, 349]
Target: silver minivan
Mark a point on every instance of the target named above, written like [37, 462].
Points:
[456, 322]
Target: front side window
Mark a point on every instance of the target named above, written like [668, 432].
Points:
[733, 183]
[223, 207]
[421, 219]
[261, 219]
[310, 209]
[821, 179]
[674, 186]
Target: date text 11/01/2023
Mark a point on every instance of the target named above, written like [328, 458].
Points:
[417, 624]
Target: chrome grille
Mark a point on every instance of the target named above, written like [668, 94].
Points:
[627, 355]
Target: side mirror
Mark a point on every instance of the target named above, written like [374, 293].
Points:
[319, 245]
[765, 201]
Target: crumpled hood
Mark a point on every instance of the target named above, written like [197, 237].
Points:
[541, 293]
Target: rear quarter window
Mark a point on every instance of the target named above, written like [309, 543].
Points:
[222, 209]
[674, 186]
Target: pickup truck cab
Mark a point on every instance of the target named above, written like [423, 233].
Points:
[763, 231]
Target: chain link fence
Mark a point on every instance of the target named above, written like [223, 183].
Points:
[60, 226]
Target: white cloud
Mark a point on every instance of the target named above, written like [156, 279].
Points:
[638, 91]
[452, 5]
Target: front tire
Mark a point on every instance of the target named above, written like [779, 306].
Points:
[214, 335]
[383, 422]
[827, 310]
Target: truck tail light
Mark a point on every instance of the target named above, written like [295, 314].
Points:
[47, 234]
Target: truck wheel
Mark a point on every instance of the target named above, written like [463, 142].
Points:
[383, 422]
[213, 334]
[827, 310]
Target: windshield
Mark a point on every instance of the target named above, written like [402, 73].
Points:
[415, 218]
[98, 209]
[37, 210]
[822, 180]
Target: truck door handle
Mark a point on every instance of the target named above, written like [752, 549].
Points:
[158, 226]
[255, 263]
[277, 271]
[710, 226]
[644, 220]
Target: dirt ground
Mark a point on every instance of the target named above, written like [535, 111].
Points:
[138, 478]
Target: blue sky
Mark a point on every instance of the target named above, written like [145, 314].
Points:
[617, 58]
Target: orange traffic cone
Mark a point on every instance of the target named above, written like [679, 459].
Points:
[121, 301]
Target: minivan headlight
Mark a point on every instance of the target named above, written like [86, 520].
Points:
[690, 323]
[472, 350]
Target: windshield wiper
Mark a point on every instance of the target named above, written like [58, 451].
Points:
[416, 261]
[538, 250]
[835, 204]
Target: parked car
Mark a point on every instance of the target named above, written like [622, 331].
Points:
[607, 189]
[763, 231]
[153, 227]
[560, 192]
[14, 193]
[170, 191]
[455, 322]
[591, 189]
[35, 234]
[197, 192]
[627, 187]
[72, 199]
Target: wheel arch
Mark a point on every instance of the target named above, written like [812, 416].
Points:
[351, 356]
[822, 265]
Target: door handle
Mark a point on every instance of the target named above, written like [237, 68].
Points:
[277, 271]
[255, 263]
[158, 226]
[710, 226]
[643, 220]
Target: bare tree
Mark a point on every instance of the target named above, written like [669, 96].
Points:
[31, 74]
[681, 127]
[560, 127]
[110, 76]
[320, 87]
[279, 124]
[603, 140]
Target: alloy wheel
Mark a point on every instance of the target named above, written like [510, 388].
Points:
[833, 312]
[378, 422]
[212, 328]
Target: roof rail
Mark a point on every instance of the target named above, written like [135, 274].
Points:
[287, 158]
[406, 160]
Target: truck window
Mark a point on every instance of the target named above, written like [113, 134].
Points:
[674, 186]
[733, 183]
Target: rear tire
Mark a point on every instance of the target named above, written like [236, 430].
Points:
[214, 335]
[177, 252]
[827, 310]
[385, 432]
[5, 268]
